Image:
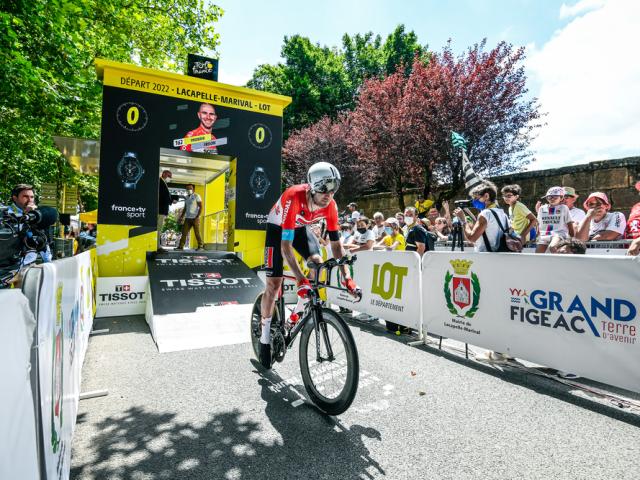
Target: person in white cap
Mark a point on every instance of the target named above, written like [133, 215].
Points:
[570, 198]
[601, 224]
[554, 220]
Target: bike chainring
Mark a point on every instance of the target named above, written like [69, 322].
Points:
[278, 345]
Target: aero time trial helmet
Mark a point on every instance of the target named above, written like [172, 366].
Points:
[323, 178]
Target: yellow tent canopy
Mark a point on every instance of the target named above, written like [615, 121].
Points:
[89, 217]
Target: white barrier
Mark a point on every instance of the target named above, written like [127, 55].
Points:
[18, 452]
[65, 319]
[575, 313]
[391, 287]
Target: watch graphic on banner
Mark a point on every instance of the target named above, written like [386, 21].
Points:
[259, 182]
[130, 170]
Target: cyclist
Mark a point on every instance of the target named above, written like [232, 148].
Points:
[288, 224]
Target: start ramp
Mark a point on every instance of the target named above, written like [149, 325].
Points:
[199, 299]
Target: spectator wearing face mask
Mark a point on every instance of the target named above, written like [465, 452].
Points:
[416, 236]
[393, 239]
[600, 224]
[346, 231]
[363, 239]
[554, 220]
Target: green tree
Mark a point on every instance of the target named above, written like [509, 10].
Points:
[323, 81]
[48, 84]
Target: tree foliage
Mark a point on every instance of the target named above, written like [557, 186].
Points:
[325, 140]
[324, 81]
[399, 131]
[48, 84]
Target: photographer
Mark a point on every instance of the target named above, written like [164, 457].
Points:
[22, 233]
[485, 233]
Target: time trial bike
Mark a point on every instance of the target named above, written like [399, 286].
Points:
[327, 353]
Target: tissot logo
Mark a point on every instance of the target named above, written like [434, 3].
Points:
[198, 282]
[206, 275]
[123, 288]
[195, 261]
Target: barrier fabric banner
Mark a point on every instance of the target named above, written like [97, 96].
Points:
[117, 296]
[575, 313]
[391, 287]
[18, 455]
[65, 319]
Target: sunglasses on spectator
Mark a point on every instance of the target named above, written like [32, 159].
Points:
[508, 195]
[595, 204]
[551, 197]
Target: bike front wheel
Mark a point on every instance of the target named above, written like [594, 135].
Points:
[329, 362]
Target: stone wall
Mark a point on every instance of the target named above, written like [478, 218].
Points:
[614, 177]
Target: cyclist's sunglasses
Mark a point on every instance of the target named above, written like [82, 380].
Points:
[327, 187]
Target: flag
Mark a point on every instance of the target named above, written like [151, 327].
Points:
[471, 178]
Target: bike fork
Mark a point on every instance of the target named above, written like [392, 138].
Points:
[321, 329]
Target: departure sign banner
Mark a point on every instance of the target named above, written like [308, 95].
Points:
[144, 112]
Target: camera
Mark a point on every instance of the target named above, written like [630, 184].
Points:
[20, 235]
[463, 203]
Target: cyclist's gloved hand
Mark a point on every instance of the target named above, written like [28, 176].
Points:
[350, 285]
[304, 287]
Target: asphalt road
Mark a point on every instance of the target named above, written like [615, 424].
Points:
[420, 413]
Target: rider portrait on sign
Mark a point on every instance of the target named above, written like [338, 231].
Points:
[288, 228]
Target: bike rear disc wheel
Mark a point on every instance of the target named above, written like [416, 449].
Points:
[256, 324]
[331, 383]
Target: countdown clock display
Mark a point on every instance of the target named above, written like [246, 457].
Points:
[260, 136]
[132, 116]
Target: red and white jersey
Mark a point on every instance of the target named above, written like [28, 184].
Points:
[291, 210]
[196, 133]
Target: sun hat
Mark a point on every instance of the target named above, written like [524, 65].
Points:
[570, 191]
[392, 221]
[555, 191]
[599, 195]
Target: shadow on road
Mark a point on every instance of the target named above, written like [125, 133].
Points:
[232, 444]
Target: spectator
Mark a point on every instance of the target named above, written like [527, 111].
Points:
[416, 237]
[485, 233]
[363, 239]
[190, 217]
[432, 215]
[86, 240]
[164, 201]
[634, 248]
[522, 220]
[571, 245]
[426, 223]
[422, 206]
[355, 214]
[599, 223]
[577, 214]
[633, 225]
[393, 240]
[554, 220]
[23, 202]
[403, 226]
[379, 227]
[442, 230]
[347, 232]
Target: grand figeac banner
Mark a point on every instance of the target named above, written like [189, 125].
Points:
[199, 299]
[391, 287]
[146, 110]
[575, 313]
[65, 319]
[18, 455]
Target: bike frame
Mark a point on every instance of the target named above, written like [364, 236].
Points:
[314, 308]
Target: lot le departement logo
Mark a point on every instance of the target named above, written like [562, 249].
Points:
[466, 289]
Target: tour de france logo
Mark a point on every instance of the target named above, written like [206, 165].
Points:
[466, 289]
